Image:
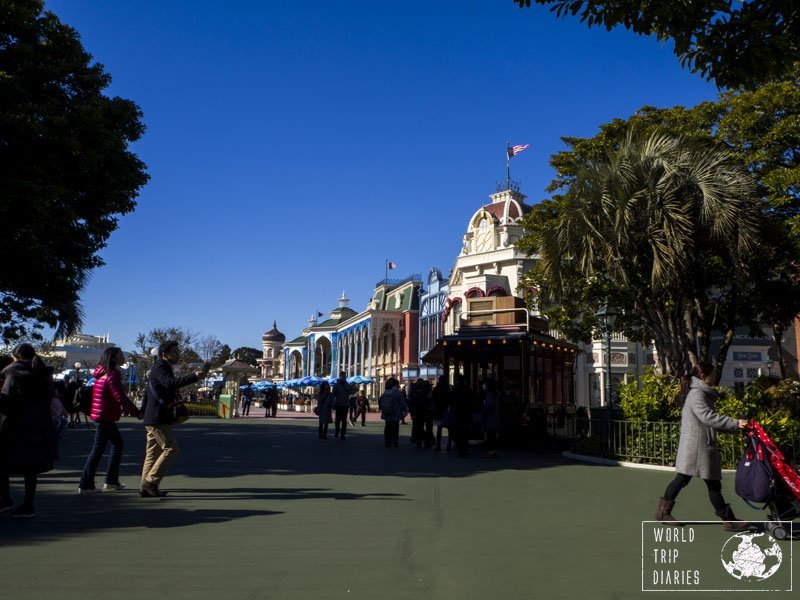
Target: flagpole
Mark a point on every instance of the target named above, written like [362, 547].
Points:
[386, 273]
[508, 166]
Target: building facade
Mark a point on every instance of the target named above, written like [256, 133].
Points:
[379, 342]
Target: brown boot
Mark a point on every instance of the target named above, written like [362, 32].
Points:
[664, 512]
[730, 523]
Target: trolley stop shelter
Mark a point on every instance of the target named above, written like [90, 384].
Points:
[534, 371]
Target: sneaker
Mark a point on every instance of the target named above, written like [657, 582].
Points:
[113, 486]
[6, 508]
[82, 491]
[23, 512]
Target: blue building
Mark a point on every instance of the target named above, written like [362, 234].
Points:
[431, 309]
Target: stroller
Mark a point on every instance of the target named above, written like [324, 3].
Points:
[783, 503]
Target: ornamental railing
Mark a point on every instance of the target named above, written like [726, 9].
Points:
[656, 442]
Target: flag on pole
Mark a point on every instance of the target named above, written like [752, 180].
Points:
[514, 150]
[392, 265]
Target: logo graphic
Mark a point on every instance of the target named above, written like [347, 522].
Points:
[751, 556]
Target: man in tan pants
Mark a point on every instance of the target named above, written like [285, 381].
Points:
[161, 447]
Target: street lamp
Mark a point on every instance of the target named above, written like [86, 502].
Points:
[78, 366]
[769, 364]
[607, 316]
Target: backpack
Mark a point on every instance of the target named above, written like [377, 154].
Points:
[754, 478]
[387, 405]
[82, 400]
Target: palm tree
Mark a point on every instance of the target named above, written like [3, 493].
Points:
[647, 217]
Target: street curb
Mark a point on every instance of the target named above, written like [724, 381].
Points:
[621, 463]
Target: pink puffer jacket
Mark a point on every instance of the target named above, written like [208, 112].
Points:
[108, 397]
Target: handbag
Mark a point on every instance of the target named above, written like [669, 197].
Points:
[174, 413]
[178, 413]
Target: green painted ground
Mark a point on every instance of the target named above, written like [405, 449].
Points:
[265, 510]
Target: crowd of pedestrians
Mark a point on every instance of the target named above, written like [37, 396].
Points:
[32, 414]
[34, 411]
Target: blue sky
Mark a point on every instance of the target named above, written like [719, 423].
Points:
[293, 146]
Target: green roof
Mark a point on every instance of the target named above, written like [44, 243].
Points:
[298, 340]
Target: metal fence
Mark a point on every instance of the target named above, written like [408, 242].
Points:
[656, 442]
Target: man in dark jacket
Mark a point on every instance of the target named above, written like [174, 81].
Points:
[28, 445]
[162, 390]
[341, 403]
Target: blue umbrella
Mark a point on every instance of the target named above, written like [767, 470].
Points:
[360, 379]
[314, 381]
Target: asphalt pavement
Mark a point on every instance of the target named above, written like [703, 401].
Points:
[261, 508]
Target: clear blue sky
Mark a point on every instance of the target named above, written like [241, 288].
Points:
[293, 146]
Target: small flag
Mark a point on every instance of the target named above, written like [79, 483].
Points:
[319, 314]
[514, 150]
[392, 265]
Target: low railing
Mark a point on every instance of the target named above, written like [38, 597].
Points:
[656, 442]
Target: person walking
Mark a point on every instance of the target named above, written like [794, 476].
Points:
[698, 454]
[247, 399]
[461, 415]
[393, 407]
[324, 407]
[491, 416]
[363, 407]
[421, 423]
[28, 443]
[161, 447]
[108, 400]
[440, 402]
[341, 404]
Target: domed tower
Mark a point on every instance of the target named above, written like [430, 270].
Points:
[489, 263]
[272, 342]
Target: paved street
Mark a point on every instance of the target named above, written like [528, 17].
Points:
[263, 509]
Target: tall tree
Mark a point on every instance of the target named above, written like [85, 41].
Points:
[248, 355]
[208, 347]
[762, 128]
[657, 224]
[147, 343]
[733, 42]
[66, 171]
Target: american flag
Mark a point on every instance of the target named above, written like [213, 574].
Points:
[392, 265]
[514, 150]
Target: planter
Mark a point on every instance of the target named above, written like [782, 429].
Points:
[300, 409]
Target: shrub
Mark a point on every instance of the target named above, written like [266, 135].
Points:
[652, 398]
[201, 410]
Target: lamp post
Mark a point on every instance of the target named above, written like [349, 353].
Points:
[78, 366]
[769, 364]
[607, 316]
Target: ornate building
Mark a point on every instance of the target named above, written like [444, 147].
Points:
[432, 304]
[379, 342]
[272, 343]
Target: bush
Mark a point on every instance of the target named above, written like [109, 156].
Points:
[591, 446]
[651, 398]
[201, 410]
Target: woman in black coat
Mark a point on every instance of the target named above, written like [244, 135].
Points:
[28, 441]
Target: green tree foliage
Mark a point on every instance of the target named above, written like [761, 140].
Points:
[775, 403]
[66, 171]
[654, 397]
[645, 220]
[733, 42]
[222, 356]
[147, 343]
[762, 129]
[248, 355]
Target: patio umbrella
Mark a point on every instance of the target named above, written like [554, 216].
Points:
[360, 379]
[313, 381]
